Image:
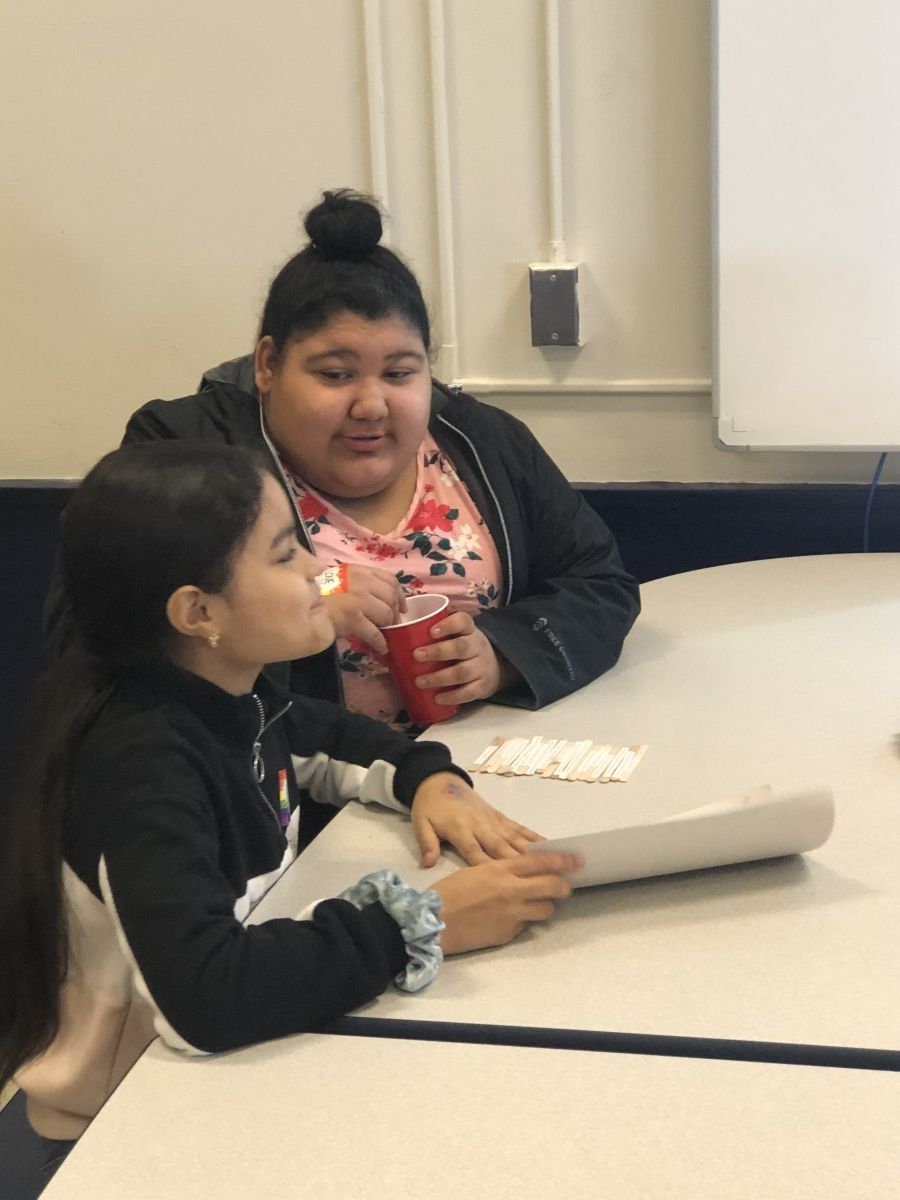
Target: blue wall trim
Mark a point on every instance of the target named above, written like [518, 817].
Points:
[666, 528]
[662, 529]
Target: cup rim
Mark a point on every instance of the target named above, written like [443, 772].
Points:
[445, 603]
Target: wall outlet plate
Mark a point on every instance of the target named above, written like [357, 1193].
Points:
[555, 315]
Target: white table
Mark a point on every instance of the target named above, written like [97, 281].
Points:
[783, 671]
[351, 1118]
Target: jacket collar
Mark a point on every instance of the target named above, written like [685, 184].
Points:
[238, 372]
[234, 720]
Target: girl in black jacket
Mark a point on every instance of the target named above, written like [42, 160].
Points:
[161, 799]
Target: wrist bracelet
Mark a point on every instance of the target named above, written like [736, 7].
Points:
[332, 579]
[417, 915]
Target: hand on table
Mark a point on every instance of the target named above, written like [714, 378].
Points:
[476, 670]
[373, 598]
[446, 808]
[489, 904]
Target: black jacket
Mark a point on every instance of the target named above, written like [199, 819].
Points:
[170, 839]
[567, 601]
[171, 829]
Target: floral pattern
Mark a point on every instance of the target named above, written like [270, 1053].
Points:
[483, 591]
[442, 544]
[356, 658]
[431, 515]
[313, 510]
[378, 549]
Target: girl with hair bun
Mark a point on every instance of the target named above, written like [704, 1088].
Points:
[402, 485]
[160, 800]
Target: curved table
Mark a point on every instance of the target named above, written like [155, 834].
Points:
[782, 671]
[335, 1119]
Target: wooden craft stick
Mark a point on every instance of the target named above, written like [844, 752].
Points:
[494, 761]
[609, 753]
[614, 765]
[536, 757]
[559, 755]
[547, 751]
[584, 763]
[486, 753]
[624, 763]
[565, 757]
[588, 763]
[520, 764]
[557, 758]
[505, 754]
[577, 754]
[637, 753]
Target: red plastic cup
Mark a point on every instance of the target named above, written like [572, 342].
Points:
[410, 632]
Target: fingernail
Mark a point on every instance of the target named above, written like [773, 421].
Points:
[419, 655]
[436, 631]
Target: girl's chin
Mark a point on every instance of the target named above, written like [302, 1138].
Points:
[328, 637]
[365, 479]
[319, 635]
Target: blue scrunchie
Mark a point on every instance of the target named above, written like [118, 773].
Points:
[417, 915]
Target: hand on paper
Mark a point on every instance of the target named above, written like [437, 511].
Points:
[446, 809]
[373, 598]
[488, 905]
[475, 670]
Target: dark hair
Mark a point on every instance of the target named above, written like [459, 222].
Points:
[146, 520]
[342, 269]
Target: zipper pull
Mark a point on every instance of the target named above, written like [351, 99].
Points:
[259, 765]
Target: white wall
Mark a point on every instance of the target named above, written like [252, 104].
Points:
[160, 156]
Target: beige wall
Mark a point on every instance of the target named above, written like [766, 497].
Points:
[161, 154]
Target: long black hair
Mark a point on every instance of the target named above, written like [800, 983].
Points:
[146, 520]
[342, 269]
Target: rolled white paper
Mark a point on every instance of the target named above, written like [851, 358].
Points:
[740, 829]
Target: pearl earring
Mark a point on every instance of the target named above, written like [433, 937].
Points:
[213, 640]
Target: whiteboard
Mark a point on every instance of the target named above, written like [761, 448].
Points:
[806, 242]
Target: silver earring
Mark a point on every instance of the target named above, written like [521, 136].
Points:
[213, 641]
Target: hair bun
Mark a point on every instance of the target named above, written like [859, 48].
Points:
[345, 225]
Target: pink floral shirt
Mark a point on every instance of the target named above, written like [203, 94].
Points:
[441, 544]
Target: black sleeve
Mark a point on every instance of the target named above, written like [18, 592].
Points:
[153, 422]
[215, 984]
[340, 756]
[221, 415]
[567, 621]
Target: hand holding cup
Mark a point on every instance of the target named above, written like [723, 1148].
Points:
[369, 598]
[403, 638]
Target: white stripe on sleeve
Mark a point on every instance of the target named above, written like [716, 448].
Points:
[331, 781]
